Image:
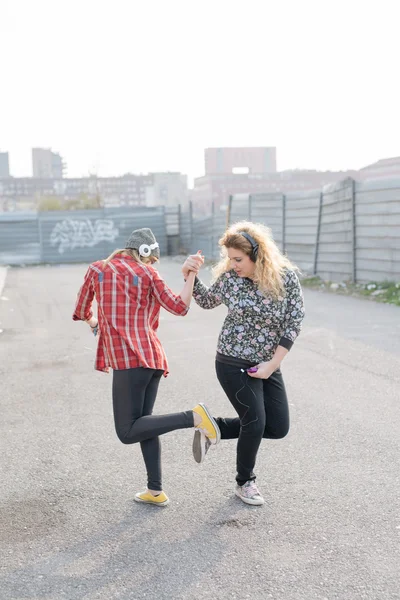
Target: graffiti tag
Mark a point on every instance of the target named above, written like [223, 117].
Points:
[84, 233]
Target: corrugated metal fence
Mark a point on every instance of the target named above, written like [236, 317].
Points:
[206, 233]
[186, 228]
[74, 236]
[350, 231]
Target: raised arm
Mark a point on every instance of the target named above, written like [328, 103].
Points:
[205, 297]
[177, 305]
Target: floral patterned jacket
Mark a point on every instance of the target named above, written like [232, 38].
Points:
[255, 324]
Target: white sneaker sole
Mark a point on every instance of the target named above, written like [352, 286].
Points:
[258, 502]
[215, 424]
[199, 446]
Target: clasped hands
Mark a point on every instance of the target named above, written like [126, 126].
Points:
[193, 263]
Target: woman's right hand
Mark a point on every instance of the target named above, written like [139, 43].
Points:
[192, 263]
[94, 325]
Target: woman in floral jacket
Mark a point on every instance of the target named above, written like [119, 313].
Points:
[262, 292]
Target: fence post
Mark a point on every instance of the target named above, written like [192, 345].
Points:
[321, 197]
[165, 223]
[353, 233]
[190, 226]
[179, 227]
[103, 215]
[40, 236]
[212, 228]
[229, 211]
[283, 223]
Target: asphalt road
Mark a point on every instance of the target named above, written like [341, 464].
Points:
[330, 528]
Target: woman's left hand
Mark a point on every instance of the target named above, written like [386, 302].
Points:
[264, 370]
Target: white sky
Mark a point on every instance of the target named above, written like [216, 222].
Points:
[123, 85]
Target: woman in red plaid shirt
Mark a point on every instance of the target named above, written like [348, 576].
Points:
[129, 294]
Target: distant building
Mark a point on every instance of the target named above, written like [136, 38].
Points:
[153, 189]
[212, 191]
[225, 160]
[4, 165]
[387, 168]
[170, 189]
[47, 164]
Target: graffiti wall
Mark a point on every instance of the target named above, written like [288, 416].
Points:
[70, 234]
[74, 236]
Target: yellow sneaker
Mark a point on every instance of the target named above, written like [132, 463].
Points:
[160, 500]
[208, 424]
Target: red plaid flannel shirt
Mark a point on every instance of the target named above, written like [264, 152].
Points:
[129, 296]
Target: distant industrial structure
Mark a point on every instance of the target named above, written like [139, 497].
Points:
[153, 189]
[231, 171]
[47, 164]
[227, 171]
[387, 168]
[226, 160]
[4, 164]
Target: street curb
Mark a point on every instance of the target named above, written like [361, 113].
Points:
[3, 275]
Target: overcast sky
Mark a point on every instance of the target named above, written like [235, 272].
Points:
[123, 85]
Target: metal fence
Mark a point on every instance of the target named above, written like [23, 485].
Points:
[74, 236]
[185, 229]
[206, 232]
[349, 231]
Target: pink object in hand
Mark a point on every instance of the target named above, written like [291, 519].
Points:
[252, 370]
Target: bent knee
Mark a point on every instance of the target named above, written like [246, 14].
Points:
[283, 433]
[253, 428]
[276, 434]
[124, 438]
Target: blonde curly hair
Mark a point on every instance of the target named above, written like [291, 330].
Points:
[270, 264]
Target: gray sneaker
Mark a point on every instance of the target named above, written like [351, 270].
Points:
[249, 493]
[201, 445]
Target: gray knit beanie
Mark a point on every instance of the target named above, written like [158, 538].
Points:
[144, 242]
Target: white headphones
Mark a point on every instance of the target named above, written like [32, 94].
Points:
[145, 249]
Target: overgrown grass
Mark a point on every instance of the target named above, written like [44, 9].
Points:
[379, 291]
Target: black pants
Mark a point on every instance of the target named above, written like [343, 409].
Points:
[263, 413]
[134, 393]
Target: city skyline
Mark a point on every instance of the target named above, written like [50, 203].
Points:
[250, 160]
[141, 88]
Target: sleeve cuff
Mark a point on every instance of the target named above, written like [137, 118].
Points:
[76, 317]
[182, 308]
[286, 343]
[196, 284]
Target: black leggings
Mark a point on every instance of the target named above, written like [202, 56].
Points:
[263, 413]
[134, 393]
